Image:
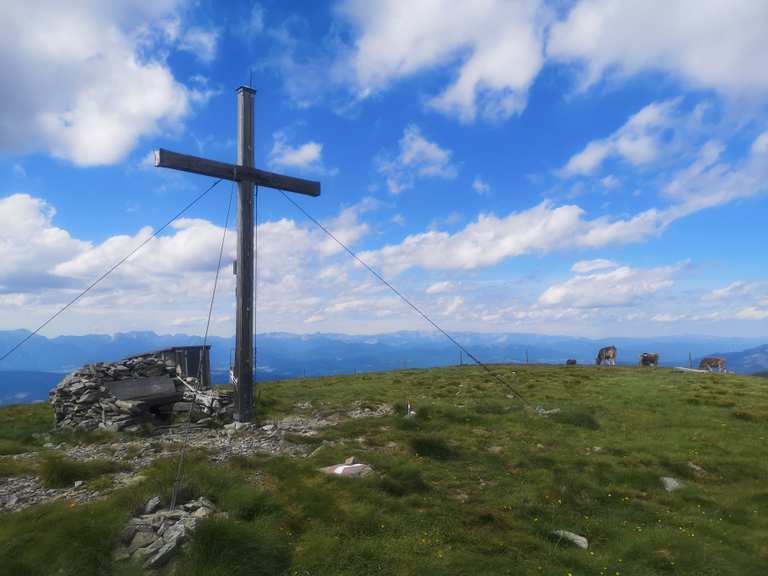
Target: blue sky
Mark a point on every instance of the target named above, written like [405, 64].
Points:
[589, 168]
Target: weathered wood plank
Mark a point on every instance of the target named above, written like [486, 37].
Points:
[245, 287]
[195, 164]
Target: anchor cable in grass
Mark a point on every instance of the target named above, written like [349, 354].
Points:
[188, 424]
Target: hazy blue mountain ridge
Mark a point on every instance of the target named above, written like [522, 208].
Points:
[284, 355]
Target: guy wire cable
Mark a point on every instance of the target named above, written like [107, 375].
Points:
[498, 378]
[108, 272]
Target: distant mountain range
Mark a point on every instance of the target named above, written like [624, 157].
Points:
[39, 364]
[749, 361]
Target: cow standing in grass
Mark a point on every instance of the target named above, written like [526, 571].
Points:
[712, 362]
[606, 355]
[649, 359]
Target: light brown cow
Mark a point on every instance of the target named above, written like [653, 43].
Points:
[712, 362]
[606, 355]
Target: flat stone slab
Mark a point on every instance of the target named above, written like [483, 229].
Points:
[348, 470]
[144, 388]
[571, 538]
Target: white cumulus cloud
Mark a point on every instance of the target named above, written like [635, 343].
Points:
[417, 158]
[31, 244]
[752, 313]
[201, 42]
[610, 182]
[484, 242]
[496, 44]
[635, 142]
[440, 287]
[307, 156]
[480, 186]
[83, 86]
[718, 44]
[171, 279]
[621, 286]
[583, 266]
[544, 228]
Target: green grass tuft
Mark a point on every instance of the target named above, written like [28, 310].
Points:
[246, 502]
[8, 447]
[59, 472]
[59, 539]
[403, 479]
[236, 548]
[433, 447]
[578, 418]
[23, 425]
[744, 415]
[16, 468]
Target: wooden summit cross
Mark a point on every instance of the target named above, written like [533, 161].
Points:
[247, 178]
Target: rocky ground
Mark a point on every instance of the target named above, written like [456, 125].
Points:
[282, 436]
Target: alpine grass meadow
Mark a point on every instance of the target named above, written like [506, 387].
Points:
[473, 483]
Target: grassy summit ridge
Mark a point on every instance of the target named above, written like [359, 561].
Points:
[471, 485]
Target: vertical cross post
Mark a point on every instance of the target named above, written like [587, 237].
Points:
[244, 356]
[248, 178]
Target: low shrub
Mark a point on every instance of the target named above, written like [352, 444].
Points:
[58, 472]
[488, 407]
[403, 479]
[247, 502]
[744, 415]
[236, 548]
[8, 447]
[433, 447]
[60, 539]
[300, 439]
[577, 418]
[16, 468]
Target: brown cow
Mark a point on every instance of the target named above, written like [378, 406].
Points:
[711, 362]
[649, 359]
[570, 362]
[606, 355]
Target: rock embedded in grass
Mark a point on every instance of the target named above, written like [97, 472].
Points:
[541, 411]
[670, 484]
[154, 537]
[152, 505]
[571, 538]
[350, 467]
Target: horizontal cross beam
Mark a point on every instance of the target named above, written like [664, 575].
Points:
[186, 163]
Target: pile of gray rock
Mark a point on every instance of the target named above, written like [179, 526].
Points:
[155, 536]
[124, 396]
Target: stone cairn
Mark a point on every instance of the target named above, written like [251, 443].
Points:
[87, 399]
[154, 537]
